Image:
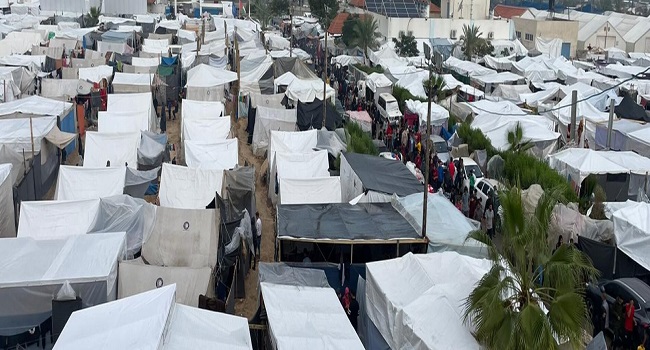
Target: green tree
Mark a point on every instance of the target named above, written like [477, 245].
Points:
[516, 140]
[472, 44]
[325, 10]
[533, 294]
[262, 11]
[347, 32]
[435, 84]
[91, 19]
[365, 34]
[406, 46]
[279, 7]
[607, 5]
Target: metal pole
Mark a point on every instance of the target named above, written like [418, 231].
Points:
[325, 82]
[610, 124]
[236, 61]
[201, 8]
[31, 135]
[574, 111]
[428, 155]
[175, 9]
[291, 30]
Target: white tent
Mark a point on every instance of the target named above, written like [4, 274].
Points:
[145, 61]
[632, 231]
[417, 301]
[138, 105]
[447, 227]
[493, 107]
[152, 321]
[119, 122]
[36, 105]
[183, 238]
[578, 163]
[466, 68]
[119, 149]
[307, 318]
[268, 119]
[96, 74]
[378, 83]
[536, 130]
[307, 90]
[56, 219]
[291, 142]
[212, 154]
[39, 268]
[205, 130]
[206, 83]
[135, 277]
[79, 183]
[7, 216]
[439, 115]
[297, 166]
[131, 82]
[315, 190]
[188, 188]
[202, 109]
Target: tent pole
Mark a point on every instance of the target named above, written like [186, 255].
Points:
[291, 30]
[236, 109]
[610, 124]
[397, 250]
[429, 144]
[325, 82]
[31, 135]
[574, 111]
[351, 253]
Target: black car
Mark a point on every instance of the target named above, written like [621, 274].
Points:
[626, 288]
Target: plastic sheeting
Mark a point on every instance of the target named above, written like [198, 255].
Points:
[135, 277]
[56, 219]
[79, 183]
[439, 115]
[500, 63]
[206, 130]
[96, 74]
[632, 231]
[296, 166]
[125, 214]
[316, 190]
[570, 223]
[268, 119]
[188, 188]
[87, 262]
[375, 81]
[467, 68]
[204, 76]
[578, 163]
[447, 227]
[549, 47]
[361, 173]
[511, 92]
[343, 221]
[331, 141]
[416, 301]
[130, 82]
[307, 318]
[138, 105]
[307, 90]
[291, 142]
[7, 217]
[492, 107]
[202, 109]
[152, 148]
[118, 149]
[212, 154]
[36, 105]
[183, 238]
[283, 274]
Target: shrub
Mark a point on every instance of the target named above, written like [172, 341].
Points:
[369, 70]
[359, 141]
[401, 95]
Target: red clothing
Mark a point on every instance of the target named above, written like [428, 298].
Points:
[452, 169]
[629, 317]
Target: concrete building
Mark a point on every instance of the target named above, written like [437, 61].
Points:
[465, 9]
[529, 30]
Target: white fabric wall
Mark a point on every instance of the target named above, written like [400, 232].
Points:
[297, 166]
[188, 188]
[119, 122]
[202, 109]
[116, 148]
[291, 142]
[351, 185]
[79, 183]
[268, 119]
[140, 105]
[214, 93]
[205, 130]
[15, 133]
[212, 155]
[56, 219]
[7, 217]
[96, 74]
[124, 7]
[317, 190]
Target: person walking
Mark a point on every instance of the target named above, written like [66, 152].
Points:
[489, 220]
[258, 228]
[629, 324]
[353, 311]
[465, 205]
[478, 212]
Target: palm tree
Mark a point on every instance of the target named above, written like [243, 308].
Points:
[366, 34]
[435, 84]
[516, 140]
[532, 298]
[262, 11]
[92, 17]
[471, 40]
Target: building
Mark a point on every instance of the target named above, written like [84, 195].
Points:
[506, 11]
[465, 9]
[528, 31]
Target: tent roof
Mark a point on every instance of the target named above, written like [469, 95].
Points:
[36, 105]
[496, 128]
[53, 219]
[632, 231]
[629, 109]
[188, 188]
[582, 162]
[133, 79]
[416, 301]
[281, 273]
[79, 183]
[383, 175]
[75, 259]
[344, 222]
[207, 76]
[307, 318]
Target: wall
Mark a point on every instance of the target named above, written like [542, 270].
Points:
[567, 31]
[641, 45]
[597, 39]
[465, 9]
[442, 27]
[390, 27]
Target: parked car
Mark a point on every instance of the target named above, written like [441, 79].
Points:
[486, 189]
[440, 147]
[470, 165]
[626, 288]
[389, 108]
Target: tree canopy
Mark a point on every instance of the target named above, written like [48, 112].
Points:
[91, 19]
[365, 34]
[532, 298]
[347, 32]
[325, 10]
[406, 46]
[472, 44]
[264, 10]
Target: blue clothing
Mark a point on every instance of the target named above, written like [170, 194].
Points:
[441, 174]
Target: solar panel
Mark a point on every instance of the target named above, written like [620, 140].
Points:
[397, 8]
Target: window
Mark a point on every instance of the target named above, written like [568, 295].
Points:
[518, 34]
[529, 37]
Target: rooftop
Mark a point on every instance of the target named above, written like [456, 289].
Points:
[336, 26]
[505, 11]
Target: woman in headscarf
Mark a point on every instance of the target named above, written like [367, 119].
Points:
[346, 299]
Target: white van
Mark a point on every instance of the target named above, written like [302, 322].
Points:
[388, 108]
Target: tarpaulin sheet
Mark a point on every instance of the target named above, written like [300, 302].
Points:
[96, 74]
[315, 190]
[169, 61]
[267, 119]
[308, 90]
[342, 221]
[632, 231]
[135, 277]
[281, 273]
[152, 148]
[119, 149]
[310, 115]
[139, 105]
[202, 109]
[205, 76]
[188, 188]
[7, 217]
[629, 109]
[602, 255]
[291, 142]
[282, 65]
[79, 183]
[124, 213]
[205, 130]
[378, 174]
[212, 154]
[439, 115]
[56, 219]
[15, 133]
[303, 317]
[183, 238]
[9, 156]
[296, 166]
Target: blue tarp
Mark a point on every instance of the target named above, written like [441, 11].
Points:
[68, 124]
[169, 61]
[118, 37]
